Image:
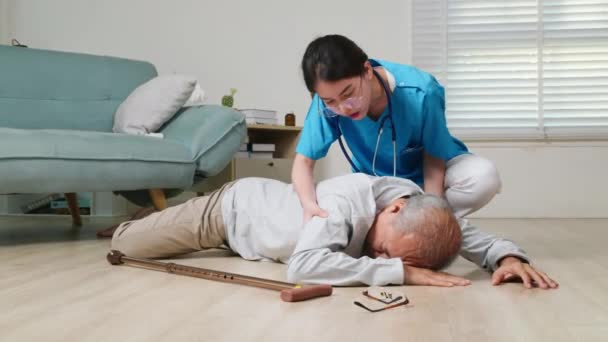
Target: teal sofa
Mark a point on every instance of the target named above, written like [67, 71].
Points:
[56, 118]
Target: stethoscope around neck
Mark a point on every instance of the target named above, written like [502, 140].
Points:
[380, 129]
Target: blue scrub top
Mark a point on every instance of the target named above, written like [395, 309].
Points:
[419, 117]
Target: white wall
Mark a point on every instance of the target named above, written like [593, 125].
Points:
[256, 47]
[557, 179]
[4, 22]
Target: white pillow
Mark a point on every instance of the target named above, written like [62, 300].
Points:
[197, 98]
[152, 104]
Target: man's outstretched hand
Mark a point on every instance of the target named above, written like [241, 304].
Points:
[511, 268]
[422, 276]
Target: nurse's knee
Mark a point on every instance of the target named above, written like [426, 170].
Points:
[478, 178]
[486, 178]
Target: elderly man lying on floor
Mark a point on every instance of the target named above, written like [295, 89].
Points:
[380, 231]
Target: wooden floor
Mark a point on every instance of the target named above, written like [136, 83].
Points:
[55, 285]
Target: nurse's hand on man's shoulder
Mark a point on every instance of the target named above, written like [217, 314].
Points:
[313, 209]
[423, 276]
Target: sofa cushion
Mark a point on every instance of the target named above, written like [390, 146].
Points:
[213, 133]
[66, 160]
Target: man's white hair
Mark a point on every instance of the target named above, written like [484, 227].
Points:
[437, 231]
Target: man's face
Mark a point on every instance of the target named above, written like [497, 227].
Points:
[384, 241]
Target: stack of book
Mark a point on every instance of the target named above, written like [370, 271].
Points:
[57, 204]
[260, 116]
[39, 203]
[262, 151]
[256, 151]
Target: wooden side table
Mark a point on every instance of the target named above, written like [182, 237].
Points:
[285, 139]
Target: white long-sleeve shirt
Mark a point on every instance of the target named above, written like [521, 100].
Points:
[263, 220]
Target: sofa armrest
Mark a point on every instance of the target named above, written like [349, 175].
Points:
[212, 133]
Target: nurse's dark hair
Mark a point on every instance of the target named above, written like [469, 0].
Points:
[331, 58]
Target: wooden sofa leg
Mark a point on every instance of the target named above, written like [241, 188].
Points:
[158, 199]
[72, 200]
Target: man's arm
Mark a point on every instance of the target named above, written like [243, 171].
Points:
[319, 257]
[485, 249]
[323, 266]
[502, 257]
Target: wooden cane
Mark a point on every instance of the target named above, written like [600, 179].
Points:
[289, 292]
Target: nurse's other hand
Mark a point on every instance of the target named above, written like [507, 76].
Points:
[313, 210]
[423, 276]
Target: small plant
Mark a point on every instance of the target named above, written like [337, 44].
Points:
[228, 100]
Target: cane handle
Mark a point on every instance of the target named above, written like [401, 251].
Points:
[304, 293]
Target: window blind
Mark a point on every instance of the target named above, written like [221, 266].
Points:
[531, 68]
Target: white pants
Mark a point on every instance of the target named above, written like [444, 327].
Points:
[470, 183]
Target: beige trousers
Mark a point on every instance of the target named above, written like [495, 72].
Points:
[191, 226]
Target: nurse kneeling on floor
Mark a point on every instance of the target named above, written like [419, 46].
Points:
[392, 117]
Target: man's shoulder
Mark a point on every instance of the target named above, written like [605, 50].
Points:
[345, 182]
[390, 181]
[357, 181]
[387, 189]
[349, 191]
